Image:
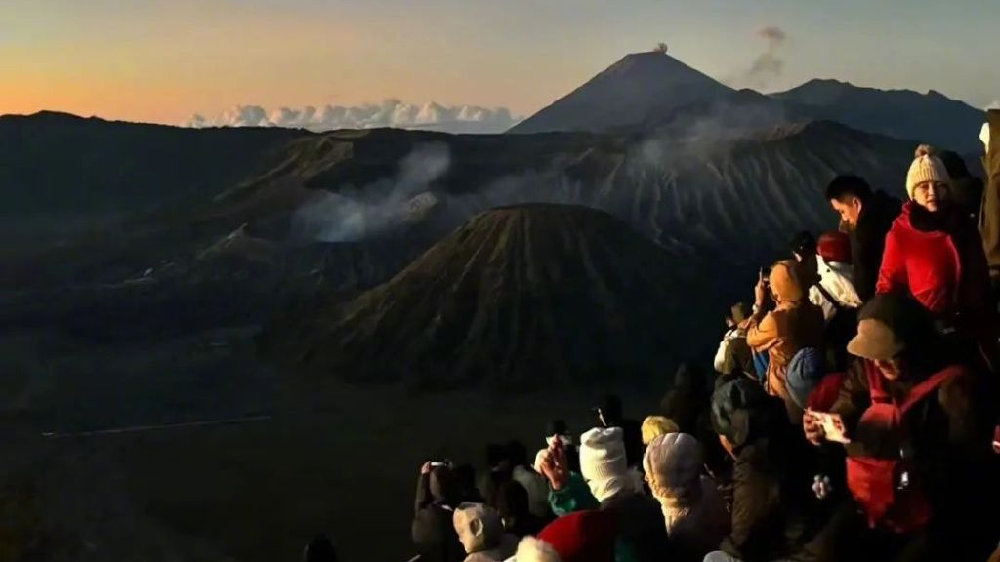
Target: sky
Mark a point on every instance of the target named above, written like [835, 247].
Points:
[165, 60]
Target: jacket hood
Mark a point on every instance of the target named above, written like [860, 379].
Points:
[786, 284]
[479, 527]
[673, 468]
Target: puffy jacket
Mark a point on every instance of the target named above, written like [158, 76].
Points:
[943, 267]
[989, 216]
[836, 280]
[793, 324]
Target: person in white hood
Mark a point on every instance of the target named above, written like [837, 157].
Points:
[833, 287]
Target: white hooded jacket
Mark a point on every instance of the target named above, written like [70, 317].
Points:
[837, 280]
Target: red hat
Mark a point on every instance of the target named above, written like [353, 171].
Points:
[582, 536]
[834, 246]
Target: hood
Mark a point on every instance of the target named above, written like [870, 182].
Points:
[673, 468]
[479, 527]
[785, 282]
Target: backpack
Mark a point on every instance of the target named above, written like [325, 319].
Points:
[884, 488]
[761, 362]
[805, 370]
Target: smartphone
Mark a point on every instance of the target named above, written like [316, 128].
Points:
[765, 273]
[436, 464]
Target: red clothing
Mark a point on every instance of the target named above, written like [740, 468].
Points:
[945, 271]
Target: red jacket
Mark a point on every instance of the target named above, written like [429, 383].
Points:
[945, 271]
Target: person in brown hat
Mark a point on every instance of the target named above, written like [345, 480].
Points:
[918, 424]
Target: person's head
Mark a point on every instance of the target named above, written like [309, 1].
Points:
[444, 485]
[478, 526]
[512, 502]
[496, 456]
[737, 313]
[603, 463]
[954, 164]
[465, 479]
[834, 246]
[786, 282]
[847, 195]
[805, 370]
[320, 549]
[517, 454]
[654, 426]
[673, 464]
[743, 412]
[895, 332]
[803, 246]
[927, 181]
[611, 409]
[556, 427]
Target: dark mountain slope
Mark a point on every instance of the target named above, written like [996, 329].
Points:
[902, 114]
[625, 94]
[516, 298]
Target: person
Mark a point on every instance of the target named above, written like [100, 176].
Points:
[734, 354]
[830, 256]
[989, 216]
[513, 505]
[606, 482]
[918, 425]
[611, 415]
[687, 404]
[933, 252]
[499, 470]
[967, 190]
[531, 549]
[557, 429]
[532, 482]
[432, 529]
[320, 549]
[655, 426]
[773, 515]
[794, 323]
[465, 474]
[868, 215]
[481, 532]
[694, 512]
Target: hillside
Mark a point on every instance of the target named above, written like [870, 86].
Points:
[516, 298]
[902, 114]
[625, 94]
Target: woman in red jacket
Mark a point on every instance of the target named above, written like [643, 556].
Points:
[934, 252]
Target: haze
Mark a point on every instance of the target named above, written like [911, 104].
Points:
[163, 61]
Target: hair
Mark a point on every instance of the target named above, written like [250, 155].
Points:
[556, 427]
[320, 549]
[843, 186]
[804, 244]
[517, 454]
[612, 408]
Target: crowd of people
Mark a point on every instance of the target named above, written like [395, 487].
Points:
[854, 414]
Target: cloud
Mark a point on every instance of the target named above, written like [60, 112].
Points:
[389, 113]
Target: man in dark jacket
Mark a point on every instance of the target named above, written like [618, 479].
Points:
[433, 530]
[869, 216]
[611, 415]
[966, 189]
[942, 442]
[774, 514]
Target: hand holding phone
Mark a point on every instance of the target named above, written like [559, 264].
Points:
[832, 425]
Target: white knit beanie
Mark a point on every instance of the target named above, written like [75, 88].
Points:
[673, 468]
[602, 462]
[925, 167]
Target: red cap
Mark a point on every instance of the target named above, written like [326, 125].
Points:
[582, 536]
[834, 246]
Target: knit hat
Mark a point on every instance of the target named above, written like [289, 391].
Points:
[531, 549]
[582, 536]
[479, 526]
[834, 246]
[602, 462]
[805, 370]
[925, 167]
[673, 467]
[654, 426]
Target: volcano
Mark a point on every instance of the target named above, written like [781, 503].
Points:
[518, 297]
[625, 94]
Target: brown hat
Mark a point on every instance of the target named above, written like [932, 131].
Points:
[887, 325]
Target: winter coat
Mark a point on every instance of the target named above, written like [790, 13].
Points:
[693, 511]
[835, 281]
[642, 536]
[537, 488]
[432, 529]
[868, 241]
[989, 216]
[793, 324]
[942, 265]
[948, 435]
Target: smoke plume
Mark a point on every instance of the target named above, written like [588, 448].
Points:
[768, 65]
